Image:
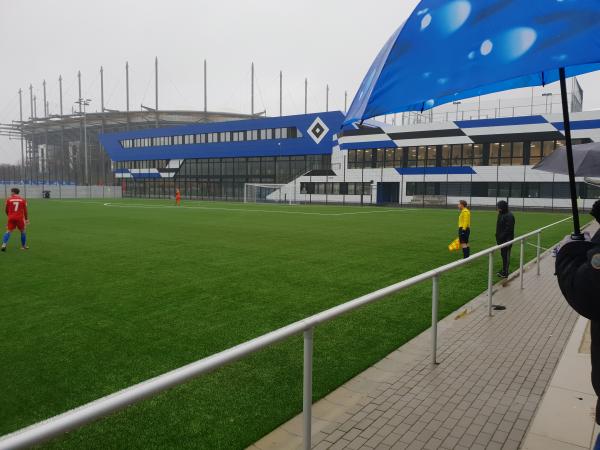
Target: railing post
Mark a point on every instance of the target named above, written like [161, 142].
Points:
[490, 282]
[539, 247]
[522, 262]
[307, 403]
[435, 301]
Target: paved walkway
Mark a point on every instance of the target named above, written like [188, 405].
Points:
[483, 394]
[565, 418]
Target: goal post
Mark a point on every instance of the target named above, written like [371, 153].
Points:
[266, 193]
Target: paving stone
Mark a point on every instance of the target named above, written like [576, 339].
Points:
[391, 439]
[467, 440]
[409, 437]
[356, 443]
[322, 445]
[450, 442]
[335, 436]
[374, 441]
[499, 436]
[340, 445]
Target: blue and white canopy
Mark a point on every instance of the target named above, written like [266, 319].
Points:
[450, 50]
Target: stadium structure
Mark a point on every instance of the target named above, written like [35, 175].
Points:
[431, 159]
[308, 158]
[64, 149]
[54, 150]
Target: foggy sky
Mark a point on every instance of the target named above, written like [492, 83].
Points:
[329, 41]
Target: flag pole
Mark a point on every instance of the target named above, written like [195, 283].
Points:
[567, 125]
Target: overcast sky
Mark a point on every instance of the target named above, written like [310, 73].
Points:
[329, 41]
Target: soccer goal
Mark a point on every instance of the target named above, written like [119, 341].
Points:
[265, 193]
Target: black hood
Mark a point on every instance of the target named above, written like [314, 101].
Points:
[595, 212]
[502, 206]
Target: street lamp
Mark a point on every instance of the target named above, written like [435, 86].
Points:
[548, 94]
[456, 103]
[83, 102]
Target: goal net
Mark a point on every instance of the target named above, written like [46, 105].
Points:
[265, 193]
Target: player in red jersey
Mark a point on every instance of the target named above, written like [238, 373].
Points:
[178, 197]
[16, 210]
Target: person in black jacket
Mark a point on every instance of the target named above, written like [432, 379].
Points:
[578, 273]
[505, 232]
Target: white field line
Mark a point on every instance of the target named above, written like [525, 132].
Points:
[533, 245]
[116, 205]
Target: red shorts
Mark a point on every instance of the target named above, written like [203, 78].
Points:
[16, 223]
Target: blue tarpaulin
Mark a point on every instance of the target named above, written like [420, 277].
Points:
[450, 50]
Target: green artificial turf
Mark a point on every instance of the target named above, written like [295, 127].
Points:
[109, 296]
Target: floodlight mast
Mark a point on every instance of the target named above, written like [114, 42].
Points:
[83, 103]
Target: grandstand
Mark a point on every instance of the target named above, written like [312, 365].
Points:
[417, 164]
[54, 145]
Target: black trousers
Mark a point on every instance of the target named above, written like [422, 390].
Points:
[595, 354]
[505, 252]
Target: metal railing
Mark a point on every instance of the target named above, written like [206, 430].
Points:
[70, 420]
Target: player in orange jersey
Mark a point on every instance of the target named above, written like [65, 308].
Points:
[178, 197]
[16, 210]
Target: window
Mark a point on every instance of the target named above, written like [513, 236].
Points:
[532, 190]
[516, 190]
[494, 154]
[432, 156]
[456, 159]
[351, 159]
[548, 148]
[412, 156]
[517, 154]
[421, 156]
[446, 152]
[335, 188]
[359, 158]
[177, 140]
[535, 152]
[478, 155]
[370, 158]
[505, 154]
[467, 155]
[389, 156]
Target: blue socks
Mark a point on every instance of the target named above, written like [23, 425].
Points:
[6, 237]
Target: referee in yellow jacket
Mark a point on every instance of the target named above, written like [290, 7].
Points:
[464, 227]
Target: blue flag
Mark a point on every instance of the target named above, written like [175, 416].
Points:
[450, 50]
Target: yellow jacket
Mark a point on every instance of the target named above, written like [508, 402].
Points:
[464, 219]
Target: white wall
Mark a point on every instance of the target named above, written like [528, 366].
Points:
[63, 191]
[375, 175]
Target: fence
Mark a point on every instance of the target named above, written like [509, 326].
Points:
[58, 425]
[62, 191]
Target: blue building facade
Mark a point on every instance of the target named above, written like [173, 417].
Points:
[216, 160]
